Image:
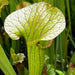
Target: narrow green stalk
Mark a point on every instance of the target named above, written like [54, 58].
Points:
[68, 12]
[73, 43]
[15, 45]
[57, 40]
[35, 60]
[68, 29]
[61, 5]
[51, 53]
[61, 54]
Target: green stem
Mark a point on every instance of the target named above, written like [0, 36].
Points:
[56, 52]
[61, 54]
[73, 43]
[51, 53]
[35, 60]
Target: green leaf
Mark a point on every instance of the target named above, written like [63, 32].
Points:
[39, 21]
[2, 4]
[5, 64]
[50, 70]
[70, 71]
[26, 71]
[60, 72]
[73, 58]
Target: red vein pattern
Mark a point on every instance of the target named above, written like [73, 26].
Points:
[39, 21]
